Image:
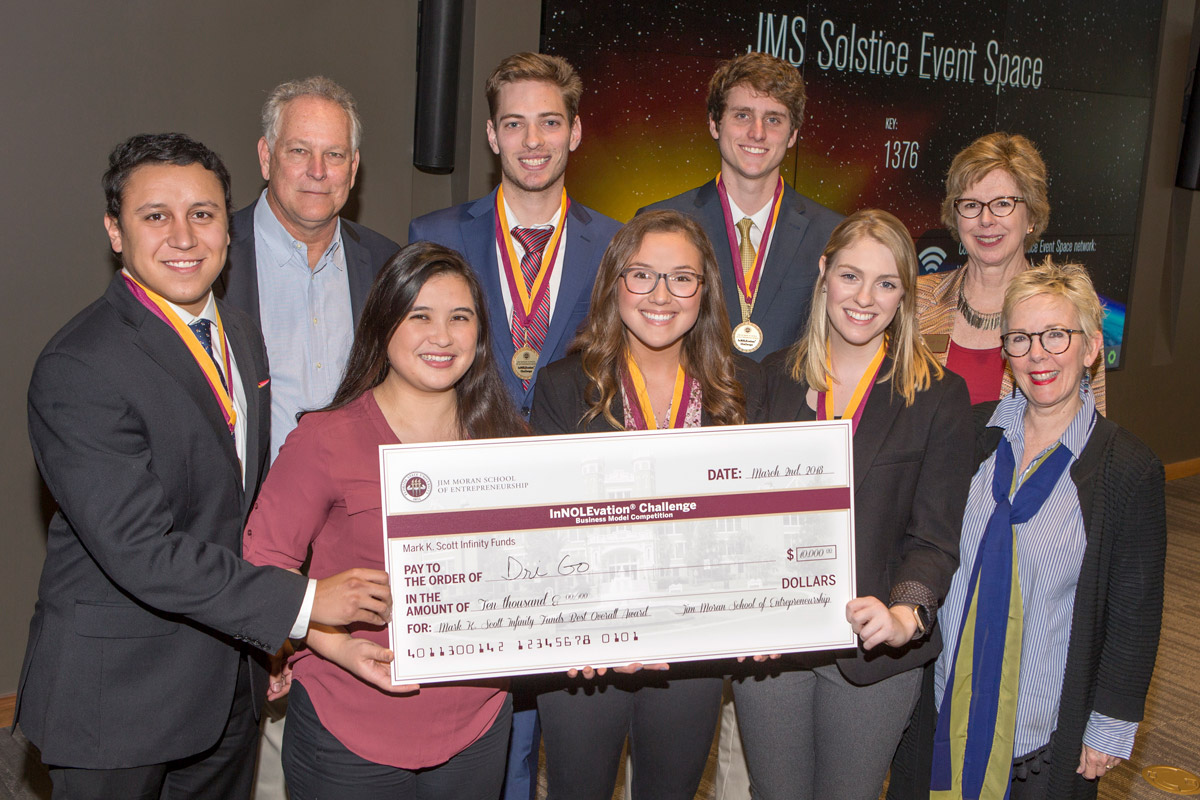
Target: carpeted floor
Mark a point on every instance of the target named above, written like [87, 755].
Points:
[1169, 735]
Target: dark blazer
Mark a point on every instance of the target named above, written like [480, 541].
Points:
[786, 287]
[471, 230]
[366, 253]
[145, 606]
[559, 401]
[912, 473]
[1117, 615]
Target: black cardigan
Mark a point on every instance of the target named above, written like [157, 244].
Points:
[1118, 600]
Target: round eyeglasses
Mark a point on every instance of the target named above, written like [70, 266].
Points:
[999, 206]
[643, 281]
[1054, 341]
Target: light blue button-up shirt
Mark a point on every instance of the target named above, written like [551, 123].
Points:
[1050, 549]
[306, 320]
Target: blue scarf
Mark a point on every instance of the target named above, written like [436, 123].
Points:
[973, 743]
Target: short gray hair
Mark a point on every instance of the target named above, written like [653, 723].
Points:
[316, 86]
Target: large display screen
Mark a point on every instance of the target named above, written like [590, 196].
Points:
[895, 91]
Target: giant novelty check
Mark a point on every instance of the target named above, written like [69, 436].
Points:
[514, 556]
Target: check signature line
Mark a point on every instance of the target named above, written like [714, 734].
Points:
[646, 569]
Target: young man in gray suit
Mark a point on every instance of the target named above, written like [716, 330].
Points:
[302, 273]
[148, 419]
[768, 238]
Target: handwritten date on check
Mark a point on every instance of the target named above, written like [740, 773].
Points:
[514, 556]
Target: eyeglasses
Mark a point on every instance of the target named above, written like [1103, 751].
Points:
[1054, 341]
[643, 281]
[999, 206]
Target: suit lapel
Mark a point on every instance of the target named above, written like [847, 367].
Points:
[874, 425]
[479, 239]
[358, 268]
[711, 216]
[239, 279]
[573, 284]
[784, 245]
[160, 342]
[249, 370]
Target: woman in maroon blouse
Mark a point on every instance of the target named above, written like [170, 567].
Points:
[421, 370]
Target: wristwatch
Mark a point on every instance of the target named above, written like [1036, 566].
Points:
[920, 615]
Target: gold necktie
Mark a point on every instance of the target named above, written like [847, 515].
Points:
[746, 247]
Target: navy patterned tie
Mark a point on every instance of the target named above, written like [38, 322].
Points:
[203, 330]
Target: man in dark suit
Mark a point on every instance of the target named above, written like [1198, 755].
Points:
[768, 238]
[533, 101]
[536, 254]
[295, 266]
[147, 415]
[302, 273]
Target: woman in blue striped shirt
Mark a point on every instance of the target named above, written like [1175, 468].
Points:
[1052, 619]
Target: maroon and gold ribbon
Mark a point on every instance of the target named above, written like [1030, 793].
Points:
[159, 306]
[858, 400]
[643, 409]
[526, 299]
[748, 285]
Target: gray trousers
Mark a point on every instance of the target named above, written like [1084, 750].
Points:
[810, 734]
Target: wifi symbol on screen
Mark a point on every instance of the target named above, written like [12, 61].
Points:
[931, 258]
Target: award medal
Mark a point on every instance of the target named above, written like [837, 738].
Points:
[526, 299]
[862, 391]
[524, 363]
[159, 308]
[642, 407]
[748, 337]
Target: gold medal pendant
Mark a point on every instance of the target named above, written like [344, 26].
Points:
[524, 363]
[747, 337]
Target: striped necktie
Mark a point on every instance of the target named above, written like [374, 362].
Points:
[533, 240]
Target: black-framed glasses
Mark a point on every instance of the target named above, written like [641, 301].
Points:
[999, 206]
[1054, 341]
[683, 283]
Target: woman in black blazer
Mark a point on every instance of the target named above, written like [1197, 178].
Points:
[825, 725]
[653, 353]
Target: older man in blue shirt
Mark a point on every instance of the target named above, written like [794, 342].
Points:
[303, 274]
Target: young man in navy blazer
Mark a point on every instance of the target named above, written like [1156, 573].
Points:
[536, 253]
[534, 125]
[755, 107]
[148, 415]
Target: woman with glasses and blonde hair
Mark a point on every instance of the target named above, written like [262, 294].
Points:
[825, 725]
[997, 207]
[1053, 616]
[653, 353]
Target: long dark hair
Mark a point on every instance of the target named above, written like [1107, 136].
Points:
[485, 409]
[706, 354]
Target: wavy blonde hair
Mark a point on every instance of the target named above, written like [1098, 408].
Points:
[913, 364]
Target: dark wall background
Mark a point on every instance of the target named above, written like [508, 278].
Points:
[79, 76]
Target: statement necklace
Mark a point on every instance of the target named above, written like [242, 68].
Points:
[976, 319]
